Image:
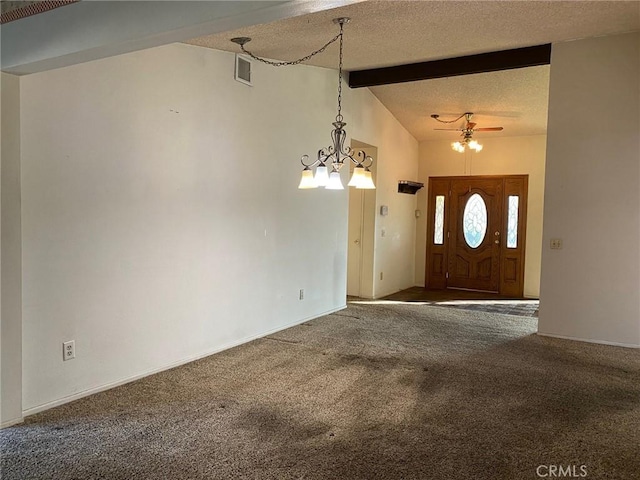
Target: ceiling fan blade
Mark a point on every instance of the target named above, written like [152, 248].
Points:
[488, 129]
[450, 129]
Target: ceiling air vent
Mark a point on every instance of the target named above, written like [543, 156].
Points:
[243, 69]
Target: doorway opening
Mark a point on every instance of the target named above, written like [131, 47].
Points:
[361, 232]
[476, 234]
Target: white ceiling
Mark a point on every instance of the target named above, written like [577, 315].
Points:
[384, 33]
[89, 30]
[514, 99]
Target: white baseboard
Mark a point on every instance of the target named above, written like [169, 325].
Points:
[588, 340]
[102, 388]
[366, 297]
[11, 423]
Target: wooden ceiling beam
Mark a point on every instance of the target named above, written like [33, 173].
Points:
[451, 67]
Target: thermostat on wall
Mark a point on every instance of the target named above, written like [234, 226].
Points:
[384, 210]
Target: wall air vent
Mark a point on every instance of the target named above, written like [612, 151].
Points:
[407, 186]
[243, 69]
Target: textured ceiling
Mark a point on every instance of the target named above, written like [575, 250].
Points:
[8, 5]
[15, 10]
[514, 99]
[384, 33]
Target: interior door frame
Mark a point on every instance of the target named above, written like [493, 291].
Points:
[366, 217]
[512, 260]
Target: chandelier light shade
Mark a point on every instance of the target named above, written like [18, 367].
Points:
[357, 177]
[334, 183]
[367, 182]
[308, 180]
[322, 175]
[336, 154]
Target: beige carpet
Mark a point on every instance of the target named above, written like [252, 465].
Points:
[383, 391]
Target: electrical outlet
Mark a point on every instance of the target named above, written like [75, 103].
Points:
[556, 243]
[302, 294]
[69, 350]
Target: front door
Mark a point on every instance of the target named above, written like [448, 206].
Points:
[476, 233]
[474, 244]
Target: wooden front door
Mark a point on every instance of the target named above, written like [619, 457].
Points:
[476, 233]
[474, 243]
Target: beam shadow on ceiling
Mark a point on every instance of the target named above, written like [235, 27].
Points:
[451, 67]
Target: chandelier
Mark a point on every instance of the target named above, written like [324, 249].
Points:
[330, 159]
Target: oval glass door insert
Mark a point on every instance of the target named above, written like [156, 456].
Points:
[474, 221]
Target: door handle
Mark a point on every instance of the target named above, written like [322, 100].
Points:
[357, 241]
[497, 241]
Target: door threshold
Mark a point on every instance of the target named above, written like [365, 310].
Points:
[473, 290]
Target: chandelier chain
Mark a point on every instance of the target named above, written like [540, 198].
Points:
[339, 116]
[292, 62]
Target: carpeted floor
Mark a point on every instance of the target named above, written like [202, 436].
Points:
[377, 391]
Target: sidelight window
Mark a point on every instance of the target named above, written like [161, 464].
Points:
[438, 232]
[512, 222]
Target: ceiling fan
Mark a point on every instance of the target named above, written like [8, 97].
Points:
[467, 132]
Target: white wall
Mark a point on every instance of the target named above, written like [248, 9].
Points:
[500, 156]
[161, 218]
[590, 288]
[11, 295]
[394, 253]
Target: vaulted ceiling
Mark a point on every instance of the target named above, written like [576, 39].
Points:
[381, 33]
[384, 33]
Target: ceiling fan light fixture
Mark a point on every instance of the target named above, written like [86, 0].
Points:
[461, 147]
[467, 132]
[458, 147]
